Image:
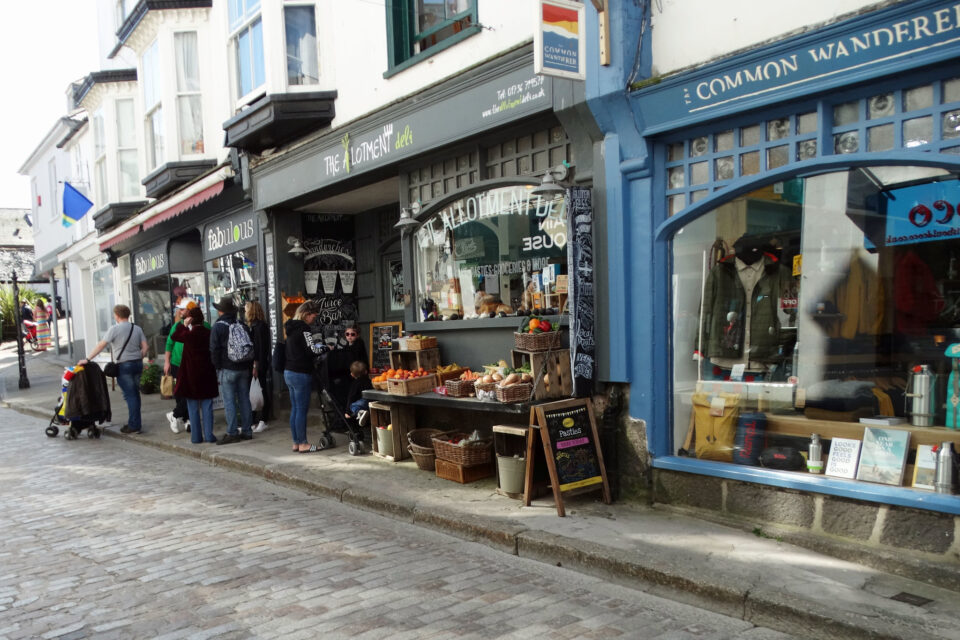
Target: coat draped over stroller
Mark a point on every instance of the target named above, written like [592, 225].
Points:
[88, 397]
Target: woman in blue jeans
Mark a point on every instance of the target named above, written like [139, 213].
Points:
[301, 351]
[129, 347]
[197, 382]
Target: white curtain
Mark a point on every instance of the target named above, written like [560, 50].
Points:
[189, 107]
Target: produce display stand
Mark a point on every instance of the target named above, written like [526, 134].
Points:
[549, 369]
[401, 416]
[510, 441]
[429, 359]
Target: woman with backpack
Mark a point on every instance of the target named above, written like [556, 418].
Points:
[231, 350]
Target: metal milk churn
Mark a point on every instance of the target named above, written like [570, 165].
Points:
[920, 391]
[944, 475]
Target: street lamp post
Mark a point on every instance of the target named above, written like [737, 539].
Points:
[17, 320]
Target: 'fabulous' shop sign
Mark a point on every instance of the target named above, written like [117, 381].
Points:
[150, 263]
[229, 234]
[909, 35]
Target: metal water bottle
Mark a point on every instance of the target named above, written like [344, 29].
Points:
[815, 454]
[944, 475]
[920, 390]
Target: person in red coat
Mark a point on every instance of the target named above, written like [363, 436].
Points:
[197, 379]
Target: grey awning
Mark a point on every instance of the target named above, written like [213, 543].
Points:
[47, 262]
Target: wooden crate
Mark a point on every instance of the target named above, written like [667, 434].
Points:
[429, 359]
[555, 364]
[402, 418]
[418, 344]
[463, 475]
[411, 386]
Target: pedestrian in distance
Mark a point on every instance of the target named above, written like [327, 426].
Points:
[197, 379]
[301, 351]
[173, 352]
[42, 318]
[129, 347]
[260, 334]
[231, 351]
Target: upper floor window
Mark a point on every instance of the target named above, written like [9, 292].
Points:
[152, 106]
[52, 177]
[416, 27]
[127, 149]
[122, 11]
[189, 103]
[246, 34]
[99, 157]
[301, 32]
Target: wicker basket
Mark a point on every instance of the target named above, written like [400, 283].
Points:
[421, 448]
[537, 341]
[449, 375]
[519, 392]
[459, 388]
[411, 386]
[478, 452]
[425, 461]
[381, 386]
[418, 344]
[485, 390]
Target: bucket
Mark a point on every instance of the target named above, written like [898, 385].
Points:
[511, 472]
[385, 442]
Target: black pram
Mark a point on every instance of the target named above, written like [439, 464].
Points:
[84, 402]
[334, 419]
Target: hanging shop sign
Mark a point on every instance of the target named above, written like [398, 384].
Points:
[151, 263]
[506, 98]
[559, 40]
[229, 234]
[911, 34]
[922, 213]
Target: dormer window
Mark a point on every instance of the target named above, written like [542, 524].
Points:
[301, 33]
[152, 106]
[246, 34]
[189, 102]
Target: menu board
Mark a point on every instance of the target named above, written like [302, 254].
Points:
[382, 335]
[572, 447]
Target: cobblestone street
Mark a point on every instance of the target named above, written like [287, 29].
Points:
[102, 539]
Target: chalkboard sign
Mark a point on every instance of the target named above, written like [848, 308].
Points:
[571, 446]
[581, 302]
[382, 335]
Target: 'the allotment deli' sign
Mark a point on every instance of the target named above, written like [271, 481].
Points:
[550, 214]
[229, 235]
[150, 263]
[915, 33]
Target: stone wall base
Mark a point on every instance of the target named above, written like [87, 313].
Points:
[914, 543]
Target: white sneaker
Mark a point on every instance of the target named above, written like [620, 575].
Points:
[261, 427]
[182, 424]
[174, 423]
[363, 417]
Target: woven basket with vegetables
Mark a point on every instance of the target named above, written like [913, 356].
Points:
[537, 334]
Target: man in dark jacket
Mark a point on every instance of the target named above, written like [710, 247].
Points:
[234, 377]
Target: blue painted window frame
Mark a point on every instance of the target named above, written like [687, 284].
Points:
[938, 151]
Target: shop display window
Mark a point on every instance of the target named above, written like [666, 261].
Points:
[155, 307]
[236, 274]
[825, 305]
[495, 253]
[105, 298]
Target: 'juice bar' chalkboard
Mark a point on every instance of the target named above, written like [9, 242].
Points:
[571, 447]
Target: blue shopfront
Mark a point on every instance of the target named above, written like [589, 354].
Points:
[788, 218]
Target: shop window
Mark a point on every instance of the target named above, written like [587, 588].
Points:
[300, 24]
[105, 297]
[419, 28]
[236, 274]
[189, 102]
[497, 252]
[246, 40]
[153, 107]
[810, 304]
[925, 116]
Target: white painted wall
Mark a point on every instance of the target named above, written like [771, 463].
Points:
[688, 33]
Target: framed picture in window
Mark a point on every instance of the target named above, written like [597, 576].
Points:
[382, 335]
[395, 296]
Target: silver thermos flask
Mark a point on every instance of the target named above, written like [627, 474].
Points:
[944, 481]
[920, 390]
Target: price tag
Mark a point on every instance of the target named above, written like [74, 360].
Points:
[737, 372]
[717, 406]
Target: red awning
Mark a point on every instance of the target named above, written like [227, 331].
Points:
[180, 207]
[120, 237]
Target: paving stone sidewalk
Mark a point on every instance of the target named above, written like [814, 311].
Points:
[726, 570]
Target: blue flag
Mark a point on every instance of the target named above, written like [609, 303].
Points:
[75, 204]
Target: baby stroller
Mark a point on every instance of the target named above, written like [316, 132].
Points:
[335, 420]
[83, 402]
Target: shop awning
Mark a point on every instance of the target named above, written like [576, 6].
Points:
[189, 203]
[47, 261]
[203, 189]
